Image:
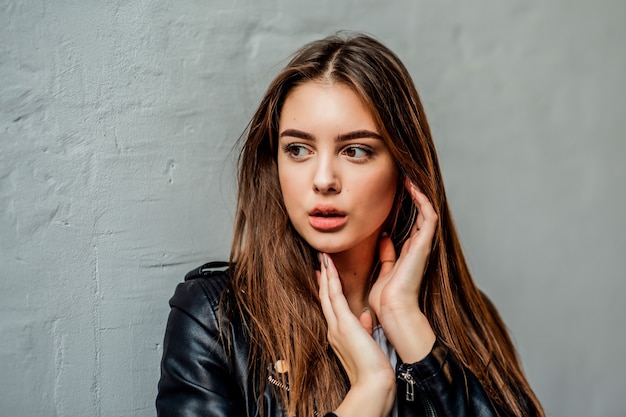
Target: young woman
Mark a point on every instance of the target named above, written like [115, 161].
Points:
[347, 291]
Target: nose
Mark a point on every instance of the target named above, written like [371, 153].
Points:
[326, 180]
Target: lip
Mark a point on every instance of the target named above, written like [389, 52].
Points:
[327, 218]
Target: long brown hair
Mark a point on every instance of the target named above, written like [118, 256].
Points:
[272, 267]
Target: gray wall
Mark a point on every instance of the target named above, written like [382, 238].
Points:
[116, 127]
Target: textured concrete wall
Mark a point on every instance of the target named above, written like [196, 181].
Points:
[116, 126]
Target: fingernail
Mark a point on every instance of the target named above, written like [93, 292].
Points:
[385, 234]
[325, 260]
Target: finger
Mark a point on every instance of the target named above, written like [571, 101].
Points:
[426, 218]
[419, 222]
[325, 302]
[367, 321]
[422, 202]
[413, 190]
[430, 218]
[338, 300]
[387, 255]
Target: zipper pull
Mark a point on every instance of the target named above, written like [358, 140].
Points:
[410, 389]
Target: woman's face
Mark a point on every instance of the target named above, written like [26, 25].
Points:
[336, 174]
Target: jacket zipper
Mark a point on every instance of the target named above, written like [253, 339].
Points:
[430, 408]
[281, 385]
[277, 383]
[410, 383]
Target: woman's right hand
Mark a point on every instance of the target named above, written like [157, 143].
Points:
[372, 379]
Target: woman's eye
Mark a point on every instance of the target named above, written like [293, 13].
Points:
[296, 151]
[357, 152]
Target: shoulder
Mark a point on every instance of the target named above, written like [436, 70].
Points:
[202, 367]
[199, 295]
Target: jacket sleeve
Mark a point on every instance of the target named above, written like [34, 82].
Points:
[440, 386]
[195, 377]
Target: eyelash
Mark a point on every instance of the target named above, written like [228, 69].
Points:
[292, 150]
[369, 152]
[291, 147]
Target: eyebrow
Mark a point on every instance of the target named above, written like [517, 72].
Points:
[357, 134]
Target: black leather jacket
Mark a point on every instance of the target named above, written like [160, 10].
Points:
[200, 377]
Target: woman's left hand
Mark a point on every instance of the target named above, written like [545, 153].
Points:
[394, 296]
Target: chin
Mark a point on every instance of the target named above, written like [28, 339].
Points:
[327, 246]
[334, 246]
[329, 249]
[335, 243]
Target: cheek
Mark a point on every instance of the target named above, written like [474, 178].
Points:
[385, 198]
[380, 190]
[385, 183]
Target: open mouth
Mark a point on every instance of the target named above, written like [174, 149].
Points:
[327, 220]
[327, 213]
